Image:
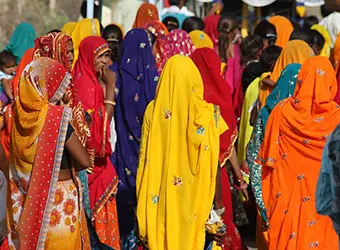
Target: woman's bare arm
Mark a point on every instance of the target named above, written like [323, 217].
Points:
[78, 152]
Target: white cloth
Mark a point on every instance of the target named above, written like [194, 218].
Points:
[175, 9]
[314, 3]
[332, 24]
[113, 134]
[124, 13]
[258, 3]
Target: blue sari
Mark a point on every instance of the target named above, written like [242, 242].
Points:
[135, 88]
[285, 87]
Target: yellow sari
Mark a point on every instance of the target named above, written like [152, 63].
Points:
[201, 39]
[246, 129]
[178, 160]
[326, 50]
[68, 28]
[84, 28]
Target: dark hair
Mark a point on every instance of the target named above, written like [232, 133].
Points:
[269, 57]
[175, 2]
[114, 37]
[324, 11]
[250, 47]
[266, 30]
[53, 31]
[193, 23]
[309, 21]
[227, 24]
[302, 34]
[319, 41]
[6, 57]
[171, 23]
[83, 10]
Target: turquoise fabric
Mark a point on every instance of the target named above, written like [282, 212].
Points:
[180, 17]
[285, 87]
[22, 39]
[328, 187]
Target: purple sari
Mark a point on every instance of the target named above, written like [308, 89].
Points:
[135, 88]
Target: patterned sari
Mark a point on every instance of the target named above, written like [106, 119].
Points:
[177, 42]
[217, 91]
[44, 213]
[135, 88]
[291, 152]
[146, 12]
[102, 178]
[159, 30]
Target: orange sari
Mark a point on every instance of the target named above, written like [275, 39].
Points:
[146, 12]
[283, 29]
[295, 51]
[296, 133]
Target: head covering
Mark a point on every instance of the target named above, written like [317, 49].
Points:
[283, 29]
[68, 28]
[159, 30]
[200, 39]
[37, 145]
[84, 28]
[21, 40]
[146, 12]
[331, 23]
[284, 88]
[295, 51]
[296, 133]
[217, 91]
[211, 25]
[326, 50]
[135, 88]
[178, 129]
[177, 42]
[53, 45]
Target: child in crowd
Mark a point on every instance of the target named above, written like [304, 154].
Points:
[7, 71]
[268, 59]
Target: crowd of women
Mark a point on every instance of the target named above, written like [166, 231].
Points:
[155, 138]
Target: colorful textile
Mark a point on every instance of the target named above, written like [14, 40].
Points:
[185, 121]
[291, 153]
[37, 145]
[327, 199]
[177, 42]
[159, 30]
[135, 88]
[246, 129]
[103, 179]
[146, 12]
[84, 28]
[21, 40]
[201, 40]
[284, 28]
[211, 25]
[335, 57]
[284, 88]
[53, 45]
[326, 50]
[233, 71]
[68, 28]
[295, 51]
[217, 91]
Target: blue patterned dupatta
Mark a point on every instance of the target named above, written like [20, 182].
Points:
[285, 87]
[135, 88]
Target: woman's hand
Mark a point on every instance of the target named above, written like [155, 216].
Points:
[109, 77]
[245, 195]
[220, 239]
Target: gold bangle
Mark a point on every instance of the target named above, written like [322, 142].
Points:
[110, 102]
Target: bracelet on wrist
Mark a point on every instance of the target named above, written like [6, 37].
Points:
[110, 102]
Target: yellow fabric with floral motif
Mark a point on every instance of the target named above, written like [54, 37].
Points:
[178, 160]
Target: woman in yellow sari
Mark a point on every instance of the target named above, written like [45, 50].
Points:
[84, 28]
[179, 154]
[68, 28]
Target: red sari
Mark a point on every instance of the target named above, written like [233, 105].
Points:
[217, 91]
[102, 179]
